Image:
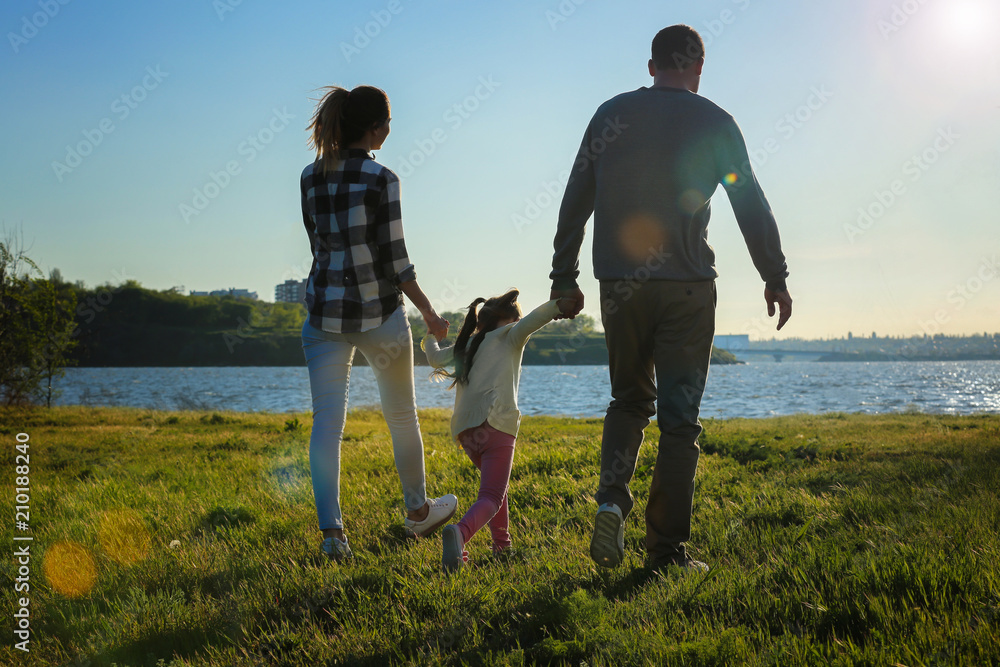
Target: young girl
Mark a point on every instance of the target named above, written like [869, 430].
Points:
[487, 370]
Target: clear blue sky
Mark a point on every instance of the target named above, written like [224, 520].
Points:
[164, 95]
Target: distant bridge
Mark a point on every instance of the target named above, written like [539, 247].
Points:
[740, 346]
[781, 354]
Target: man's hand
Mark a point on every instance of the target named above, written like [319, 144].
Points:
[566, 305]
[784, 301]
[437, 326]
[575, 294]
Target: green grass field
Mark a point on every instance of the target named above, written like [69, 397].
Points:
[185, 538]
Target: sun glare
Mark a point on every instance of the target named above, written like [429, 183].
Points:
[951, 43]
[971, 23]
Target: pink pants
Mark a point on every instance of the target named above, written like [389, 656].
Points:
[492, 452]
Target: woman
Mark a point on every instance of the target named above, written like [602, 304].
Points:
[360, 272]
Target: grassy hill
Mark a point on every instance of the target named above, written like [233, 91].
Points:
[188, 538]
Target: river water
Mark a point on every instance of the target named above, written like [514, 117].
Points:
[751, 390]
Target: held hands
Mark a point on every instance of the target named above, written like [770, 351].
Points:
[437, 326]
[784, 301]
[567, 307]
[570, 302]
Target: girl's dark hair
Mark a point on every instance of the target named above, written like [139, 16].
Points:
[342, 117]
[477, 325]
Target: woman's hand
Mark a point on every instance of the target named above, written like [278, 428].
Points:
[437, 326]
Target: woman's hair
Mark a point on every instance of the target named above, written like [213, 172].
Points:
[476, 326]
[342, 117]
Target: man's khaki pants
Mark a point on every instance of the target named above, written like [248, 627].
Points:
[659, 336]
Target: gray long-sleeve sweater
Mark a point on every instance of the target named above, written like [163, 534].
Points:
[648, 165]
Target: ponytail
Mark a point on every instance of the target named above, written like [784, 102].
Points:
[482, 322]
[462, 362]
[342, 117]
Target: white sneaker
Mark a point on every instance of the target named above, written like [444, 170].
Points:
[452, 556]
[337, 549]
[607, 546]
[439, 510]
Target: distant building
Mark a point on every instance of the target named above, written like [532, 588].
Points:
[733, 342]
[232, 291]
[290, 291]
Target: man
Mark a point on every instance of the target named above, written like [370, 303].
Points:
[648, 165]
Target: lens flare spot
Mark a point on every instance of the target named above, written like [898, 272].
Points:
[69, 568]
[123, 536]
[691, 201]
[640, 236]
[730, 178]
[289, 476]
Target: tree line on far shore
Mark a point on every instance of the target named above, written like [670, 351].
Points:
[129, 325]
[49, 323]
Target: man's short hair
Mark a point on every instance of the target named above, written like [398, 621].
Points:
[677, 47]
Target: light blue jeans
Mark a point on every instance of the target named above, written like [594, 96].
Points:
[389, 351]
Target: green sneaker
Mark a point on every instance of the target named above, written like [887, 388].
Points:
[607, 546]
[452, 549]
[686, 564]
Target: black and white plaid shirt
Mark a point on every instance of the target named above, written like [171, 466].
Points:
[355, 230]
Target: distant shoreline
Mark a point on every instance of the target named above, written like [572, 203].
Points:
[879, 356]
